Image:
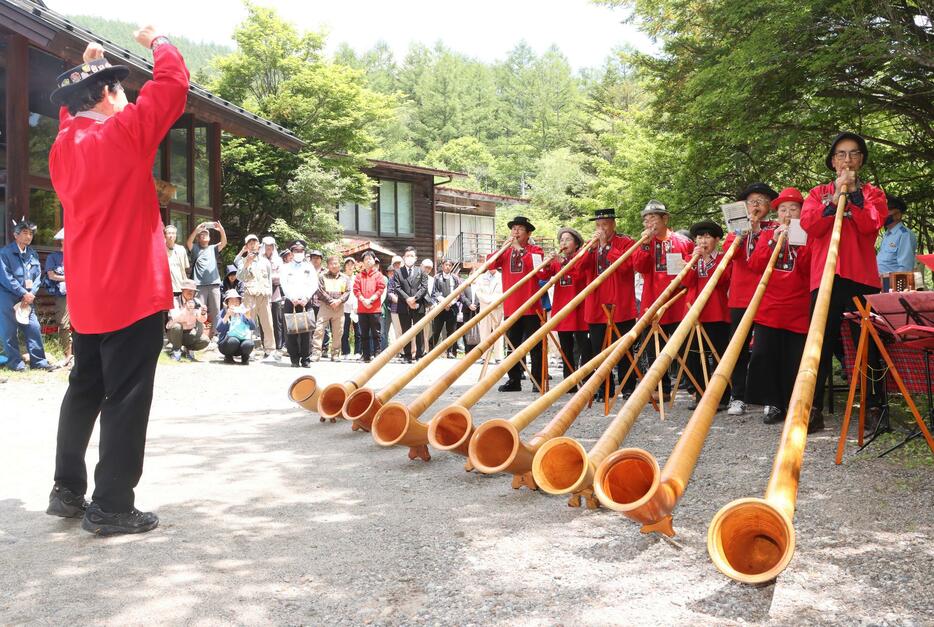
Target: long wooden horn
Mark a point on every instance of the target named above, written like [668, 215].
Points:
[452, 426]
[562, 465]
[752, 540]
[331, 401]
[496, 446]
[362, 404]
[629, 480]
[397, 424]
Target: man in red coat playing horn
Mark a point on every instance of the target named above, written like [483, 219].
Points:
[615, 298]
[101, 168]
[652, 262]
[515, 263]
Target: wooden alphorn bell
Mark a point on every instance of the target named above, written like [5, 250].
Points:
[397, 424]
[629, 480]
[331, 401]
[752, 540]
[563, 466]
[496, 446]
[363, 404]
[452, 426]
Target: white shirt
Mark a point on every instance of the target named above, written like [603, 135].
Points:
[299, 281]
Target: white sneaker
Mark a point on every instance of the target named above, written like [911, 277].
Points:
[270, 358]
[737, 408]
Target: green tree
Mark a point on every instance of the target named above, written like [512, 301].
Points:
[469, 155]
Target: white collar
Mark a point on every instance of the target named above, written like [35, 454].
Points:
[100, 118]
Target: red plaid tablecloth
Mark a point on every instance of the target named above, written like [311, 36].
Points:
[908, 362]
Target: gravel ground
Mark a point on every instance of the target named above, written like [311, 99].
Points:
[269, 516]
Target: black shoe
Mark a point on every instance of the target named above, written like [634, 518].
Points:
[228, 359]
[65, 503]
[816, 421]
[775, 416]
[306, 363]
[511, 386]
[295, 364]
[695, 401]
[102, 523]
[245, 361]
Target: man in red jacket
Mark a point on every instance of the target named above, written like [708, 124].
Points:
[101, 168]
[515, 263]
[616, 295]
[651, 261]
[744, 281]
[856, 273]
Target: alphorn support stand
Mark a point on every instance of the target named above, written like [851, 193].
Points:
[700, 334]
[608, 338]
[554, 338]
[657, 333]
[868, 331]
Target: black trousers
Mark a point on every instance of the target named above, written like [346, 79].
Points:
[113, 377]
[773, 366]
[369, 334]
[233, 347]
[719, 333]
[597, 333]
[576, 347]
[650, 352]
[841, 300]
[445, 321]
[278, 324]
[298, 344]
[739, 376]
[407, 318]
[523, 329]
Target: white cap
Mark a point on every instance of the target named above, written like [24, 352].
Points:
[269, 240]
[249, 237]
[428, 262]
[395, 259]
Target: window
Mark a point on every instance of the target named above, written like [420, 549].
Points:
[157, 164]
[46, 212]
[347, 216]
[42, 119]
[387, 207]
[202, 168]
[178, 162]
[42, 132]
[405, 222]
[366, 218]
[179, 219]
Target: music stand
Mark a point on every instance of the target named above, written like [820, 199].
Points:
[909, 318]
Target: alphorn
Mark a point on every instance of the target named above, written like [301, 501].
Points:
[752, 540]
[562, 465]
[361, 406]
[397, 424]
[331, 401]
[496, 446]
[452, 426]
[629, 480]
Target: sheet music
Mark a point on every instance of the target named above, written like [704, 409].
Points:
[796, 235]
[536, 260]
[675, 263]
[736, 217]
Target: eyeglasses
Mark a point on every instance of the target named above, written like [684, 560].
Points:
[758, 203]
[843, 154]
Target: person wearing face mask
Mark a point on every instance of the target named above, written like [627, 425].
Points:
[411, 287]
[715, 316]
[299, 281]
[489, 289]
[651, 261]
[744, 280]
[101, 168]
[898, 245]
[781, 323]
[856, 273]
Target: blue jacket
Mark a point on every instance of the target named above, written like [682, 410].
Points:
[897, 250]
[55, 262]
[15, 269]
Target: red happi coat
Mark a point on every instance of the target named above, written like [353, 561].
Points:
[857, 254]
[650, 261]
[787, 300]
[743, 280]
[567, 287]
[101, 169]
[716, 308]
[618, 289]
[514, 265]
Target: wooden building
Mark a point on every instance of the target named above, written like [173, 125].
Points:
[465, 224]
[400, 215]
[36, 45]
